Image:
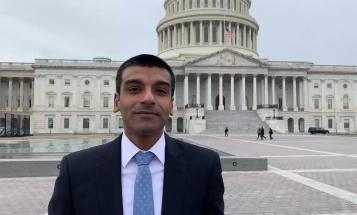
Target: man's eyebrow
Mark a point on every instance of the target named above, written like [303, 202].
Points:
[163, 83]
[132, 81]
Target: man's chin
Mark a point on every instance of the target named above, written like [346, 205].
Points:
[148, 130]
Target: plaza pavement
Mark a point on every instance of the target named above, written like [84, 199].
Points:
[308, 174]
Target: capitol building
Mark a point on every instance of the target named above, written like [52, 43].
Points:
[221, 82]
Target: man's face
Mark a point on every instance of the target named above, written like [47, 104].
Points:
[144, 100]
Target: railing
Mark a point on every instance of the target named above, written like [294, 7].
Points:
[268, 106]
[274, 118]
[194, 106]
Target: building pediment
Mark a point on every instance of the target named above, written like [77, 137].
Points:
[226, 57]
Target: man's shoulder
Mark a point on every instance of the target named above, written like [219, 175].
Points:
[192, 148]
[93, 153]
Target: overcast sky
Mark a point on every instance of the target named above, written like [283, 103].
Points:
[319, 31]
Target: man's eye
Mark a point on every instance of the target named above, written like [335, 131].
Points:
[133, 89]
[162, 92]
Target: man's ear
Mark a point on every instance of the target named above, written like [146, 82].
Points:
[116, 103]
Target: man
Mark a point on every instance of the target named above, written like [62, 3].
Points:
[271, 133]
[226, 132]
[109, 179]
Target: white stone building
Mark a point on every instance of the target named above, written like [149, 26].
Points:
[221, 81]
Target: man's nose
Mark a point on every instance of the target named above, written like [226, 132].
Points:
[148, 96]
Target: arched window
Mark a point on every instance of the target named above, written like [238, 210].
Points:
[345, 102]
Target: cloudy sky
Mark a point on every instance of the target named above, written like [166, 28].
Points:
[319, 31]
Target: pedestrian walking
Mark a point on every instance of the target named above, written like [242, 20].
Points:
[258, 132]
[226, 132]
[271, 133]
[262, 133]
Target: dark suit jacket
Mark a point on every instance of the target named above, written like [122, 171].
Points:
[90, 181]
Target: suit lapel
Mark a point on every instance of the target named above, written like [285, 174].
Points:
[174, 178]
[108, 180]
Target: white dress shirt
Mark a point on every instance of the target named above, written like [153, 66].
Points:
[129, 169]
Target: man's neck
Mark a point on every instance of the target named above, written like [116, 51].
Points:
[143, 142]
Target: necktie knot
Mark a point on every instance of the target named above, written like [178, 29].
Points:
[143, 158]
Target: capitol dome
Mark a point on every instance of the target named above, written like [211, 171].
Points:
[199, 27]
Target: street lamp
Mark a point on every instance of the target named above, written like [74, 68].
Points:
[273, 113]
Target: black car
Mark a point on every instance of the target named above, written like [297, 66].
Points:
[314, 130]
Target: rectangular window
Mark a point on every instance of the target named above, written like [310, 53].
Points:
[316, 85]
[121, 124]
[50, 123]
[330, 123]
[329, 85]
[105, 123]
[106, 82]
[18, 101]
[51, 101]
[86, 101]
[346, 124]
[51, 81]
[329, 104]
[30, 102]
[205, 34]
[197, 33]
[105, 101]
[66, 101]
[66, 123]
[316, 103]
[85, 122]
[214, 34]
[317, 123]
[67, 82]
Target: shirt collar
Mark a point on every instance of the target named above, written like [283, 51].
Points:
[129, 149]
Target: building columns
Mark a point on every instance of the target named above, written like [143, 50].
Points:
[254, 92]
[306, 94]
[244, 36]
[201, 32]
[182, 35]
[266, 95]
[174, 45]
[9, 105]
[210, 35]
[243, 102]
[191, 34]
[232, 107]
[220, 33]
[273, 90]
[295, 108]
[285, 108]
[198, 91]
[209, 88]
[220, 107]
[185, 91]
[169, 38]
[21, 105]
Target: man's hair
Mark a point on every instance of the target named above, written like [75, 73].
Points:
[145, 60]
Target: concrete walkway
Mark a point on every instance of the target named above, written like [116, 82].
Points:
[307, 175]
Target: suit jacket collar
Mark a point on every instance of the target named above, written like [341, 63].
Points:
[174, 178]
[108, 179]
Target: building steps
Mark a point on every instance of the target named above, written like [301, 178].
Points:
[237, 121]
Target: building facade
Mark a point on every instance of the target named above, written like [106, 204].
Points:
[212, 48]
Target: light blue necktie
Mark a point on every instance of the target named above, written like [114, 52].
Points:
[143, 195]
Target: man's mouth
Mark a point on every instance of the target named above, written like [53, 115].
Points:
[148, 113]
